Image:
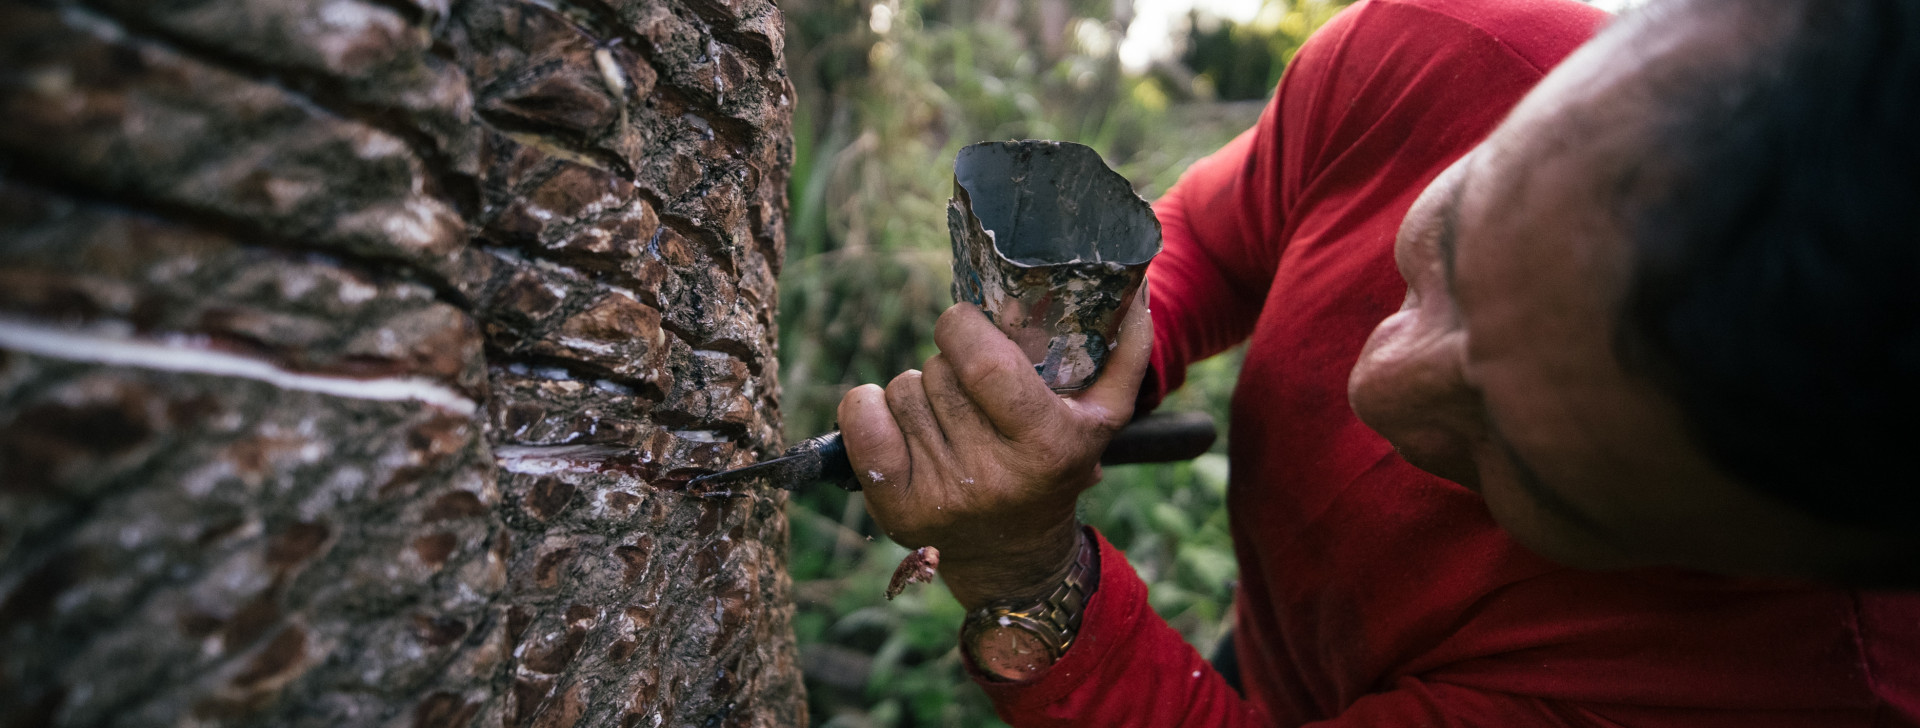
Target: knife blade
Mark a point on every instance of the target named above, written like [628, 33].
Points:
[1157, 438]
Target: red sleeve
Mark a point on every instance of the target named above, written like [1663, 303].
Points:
[1208, 282]
[1126, 668]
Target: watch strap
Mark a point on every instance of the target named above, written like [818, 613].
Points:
[1054, 619]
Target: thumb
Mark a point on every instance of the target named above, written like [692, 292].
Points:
[1111, 397]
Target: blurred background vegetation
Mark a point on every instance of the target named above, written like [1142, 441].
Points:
[888, 91]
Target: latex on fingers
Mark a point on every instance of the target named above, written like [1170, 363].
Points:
[975, 456]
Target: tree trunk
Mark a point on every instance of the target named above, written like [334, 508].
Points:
[354, 354]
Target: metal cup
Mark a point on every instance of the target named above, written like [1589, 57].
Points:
[1052, 245]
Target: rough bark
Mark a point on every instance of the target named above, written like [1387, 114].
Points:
[353, 354]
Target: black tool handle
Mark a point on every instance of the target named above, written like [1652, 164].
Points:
[1162, 437]
[1165, 437]
[835, 467]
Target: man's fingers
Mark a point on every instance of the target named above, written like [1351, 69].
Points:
[907, 399]
[995, 374]
[875, 445]
[965, 426]
[1111, 398]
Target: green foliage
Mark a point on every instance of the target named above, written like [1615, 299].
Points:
[1245, 60]
[885, 99]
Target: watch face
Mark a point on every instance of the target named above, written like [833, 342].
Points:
[1010, 653]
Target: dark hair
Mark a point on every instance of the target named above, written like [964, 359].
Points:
[1776, 290]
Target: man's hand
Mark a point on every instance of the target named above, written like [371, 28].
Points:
[975, 456]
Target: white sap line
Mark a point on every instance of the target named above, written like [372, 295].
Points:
[555, 459]
[550, 459]
[71, 345]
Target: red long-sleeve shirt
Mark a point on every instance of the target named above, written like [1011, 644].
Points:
[1374, 594]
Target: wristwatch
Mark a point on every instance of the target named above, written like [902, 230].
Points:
[1011, 641]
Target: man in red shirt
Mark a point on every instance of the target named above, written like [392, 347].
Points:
[1652, 316]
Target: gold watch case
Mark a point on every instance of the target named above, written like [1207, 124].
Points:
[1017, 642]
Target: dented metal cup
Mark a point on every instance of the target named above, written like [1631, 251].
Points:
[1052, 245]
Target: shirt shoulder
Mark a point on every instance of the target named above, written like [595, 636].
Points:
[1416, 46]
[1390, 91]
[1538, 32]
